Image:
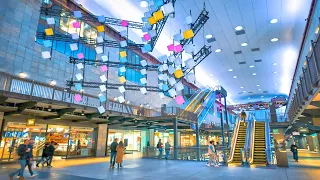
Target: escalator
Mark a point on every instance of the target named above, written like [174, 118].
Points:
[238, 142]
[259, 154]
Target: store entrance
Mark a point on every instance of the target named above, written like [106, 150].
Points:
[130, 138]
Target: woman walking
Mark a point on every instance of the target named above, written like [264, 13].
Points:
[120, 153]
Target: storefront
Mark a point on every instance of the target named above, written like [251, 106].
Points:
[72, 140]
[164, 136]
[130, 138]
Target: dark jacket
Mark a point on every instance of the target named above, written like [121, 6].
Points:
[29, 155]
[51, 150]
[21, 151]
[294, 148]
[113, 146]
[45, 151]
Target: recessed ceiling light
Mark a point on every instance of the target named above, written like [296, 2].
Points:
[244, 91]
[251, 66]
[52, 82]
[235, 77]
[275, 72]
[144, 4]
[218, 50]
[244, 44]
[262, 99]
[258, 85]
[22, 75]
[259, 89]
[253, 74]
[274, 64]
[274, 39]
[241, 87]
[230, 70]
[275, 84]
[208, 36]
[273, 21]
[238, 28]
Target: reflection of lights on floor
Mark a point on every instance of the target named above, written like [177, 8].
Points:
[131, 166]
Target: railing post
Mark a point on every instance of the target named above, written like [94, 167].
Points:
[53, 91]
[197, 141]
[175, 140]
[31, 91]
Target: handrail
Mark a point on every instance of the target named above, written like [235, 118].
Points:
[234, 140]
[252, 141]
[267, 141]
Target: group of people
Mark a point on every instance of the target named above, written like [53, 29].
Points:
[166, 147]
[24, 156]
[213, 156]
[117, 152]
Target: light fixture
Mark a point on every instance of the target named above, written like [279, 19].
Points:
[241, 87]
[273, 21]
[22, 74]
[115, 98]
[52, 82]
[262, 96]
[209, 36]
[235, 77]
[244, 91]
[258, 85]
[218, 50]
[230, 70]
[259, 89]
[238, 28]
[251, 66]
[144, 4]
[274, 39]
[128, 102]
[244, 44]
[211, 74]
[275, 72]
[81, 90]
[253, 74]
[275, 84]
[274, 64]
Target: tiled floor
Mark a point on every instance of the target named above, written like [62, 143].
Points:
[98, 168]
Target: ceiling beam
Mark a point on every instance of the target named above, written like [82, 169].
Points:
[22, 107]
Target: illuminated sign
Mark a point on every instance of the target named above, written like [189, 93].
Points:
[31, 122]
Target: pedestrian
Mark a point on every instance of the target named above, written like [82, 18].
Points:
[51, 150]
[44, 157]
[243, 116]
[148, 144]
[120, 154]
[28, 157]
[21, 152]
[211, 152]
[294, 150]
[113, 149]
[167, 147]
[159, 146]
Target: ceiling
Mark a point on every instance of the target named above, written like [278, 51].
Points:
[278, 59]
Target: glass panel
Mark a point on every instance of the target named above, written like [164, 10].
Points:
[81, 142]
[60, 135]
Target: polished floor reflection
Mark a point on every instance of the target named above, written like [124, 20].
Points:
[137, 168]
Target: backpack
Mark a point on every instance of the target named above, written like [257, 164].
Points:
[158, 145]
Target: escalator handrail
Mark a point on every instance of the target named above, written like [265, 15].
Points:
[195, 101]
[267, 137]
[205, 96]
[234, 140]
[252, 141]
[192, 97]
[207, 107]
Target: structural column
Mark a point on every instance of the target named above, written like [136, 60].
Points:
[175, 139]
[102, 140]
[1, 124]
[197, 141]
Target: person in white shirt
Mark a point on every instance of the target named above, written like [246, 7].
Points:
[212, 155]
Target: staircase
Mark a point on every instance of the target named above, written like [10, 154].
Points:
[240, 143]
[259, 155]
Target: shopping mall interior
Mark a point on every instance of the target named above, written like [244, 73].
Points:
[239, 76]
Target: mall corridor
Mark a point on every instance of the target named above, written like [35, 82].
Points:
[144, 168]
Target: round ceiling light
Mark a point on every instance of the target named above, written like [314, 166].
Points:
[275, 72]
[274, 39]
[244, 91]
[244, 44]
[230, 70]
[22, 75]
[144, 4]
[253, 74]
[218, 50]
[259, 89]
[238, 28]
[251, 66]
[52, 82]
[258, 85]
[274, 64]
[241, 87]
[273, 21]
[208, 36]
[235, 77]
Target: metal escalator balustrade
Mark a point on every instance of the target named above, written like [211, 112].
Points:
[240, 142]
[209, 102]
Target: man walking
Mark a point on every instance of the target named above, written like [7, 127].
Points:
[294, 150]
[50, 153]
[21, 151]
[167, 147]
[113, 149]
[159, 146]
[28, 157]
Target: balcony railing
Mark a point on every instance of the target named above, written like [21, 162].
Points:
[308, 81]
[41, 92]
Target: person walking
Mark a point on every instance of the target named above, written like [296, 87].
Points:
[44, 157]
[243, 116]
[120, 154]
[113, 149]
[159, 146]
[51, 150]
[211, 152]
[28, 157]
[167, 147]
[294, 150]
[21, 152]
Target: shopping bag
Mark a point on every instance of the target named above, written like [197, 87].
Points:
[33, 164]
